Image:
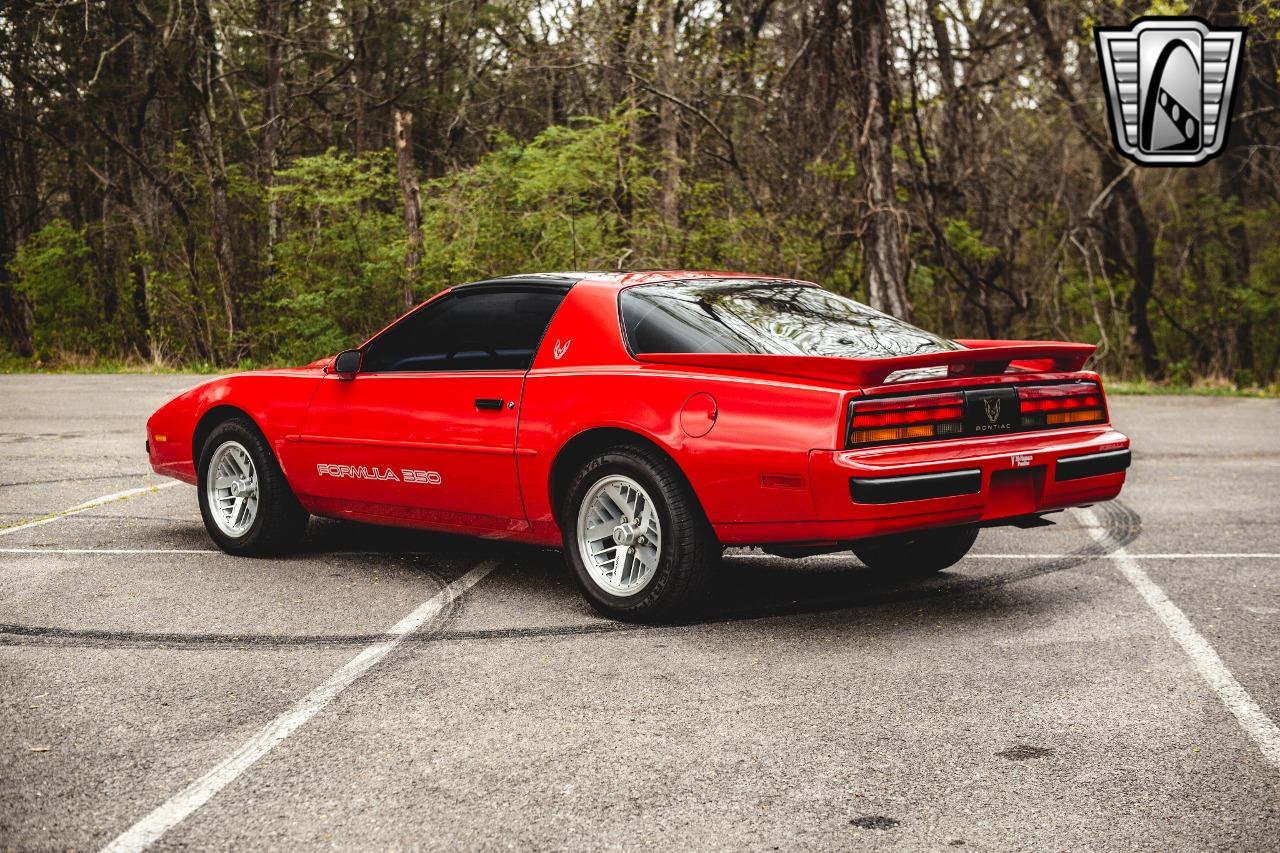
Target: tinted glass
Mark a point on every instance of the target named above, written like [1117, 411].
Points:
[764, 317]
[469, 330]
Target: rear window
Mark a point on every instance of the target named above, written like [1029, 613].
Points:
[764, 318]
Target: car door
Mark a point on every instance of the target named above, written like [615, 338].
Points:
[425, 432]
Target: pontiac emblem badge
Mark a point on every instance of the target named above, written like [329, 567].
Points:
[1170, 86]
[992, 405]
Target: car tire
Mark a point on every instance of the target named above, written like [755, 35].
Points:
[923, 552]
[236, 464]
[672, 548]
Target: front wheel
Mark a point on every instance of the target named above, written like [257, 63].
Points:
[923, 552]
[636, 538]
[247, 506]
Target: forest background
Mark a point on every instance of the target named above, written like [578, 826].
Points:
[205, 184]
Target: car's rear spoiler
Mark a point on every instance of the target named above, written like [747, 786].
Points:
[979, 358]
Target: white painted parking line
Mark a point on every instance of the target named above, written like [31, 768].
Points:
[1200, 555]
[199, 792]
[1266, 555]
[88, 505]
[1255, 723]
[109, 551]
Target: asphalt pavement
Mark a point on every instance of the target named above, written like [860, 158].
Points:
[1102, 684]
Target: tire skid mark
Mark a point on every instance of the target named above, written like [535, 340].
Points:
[1121, 525]
[25, 635]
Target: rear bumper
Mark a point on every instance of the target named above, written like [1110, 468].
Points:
[872, 492]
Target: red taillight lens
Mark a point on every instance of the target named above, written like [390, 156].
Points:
[1059, 405]
[906, 418]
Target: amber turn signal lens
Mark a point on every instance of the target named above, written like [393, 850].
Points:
[1079, 416]
[865, 436]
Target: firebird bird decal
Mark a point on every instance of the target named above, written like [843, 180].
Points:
[560, 349]
[364, 472]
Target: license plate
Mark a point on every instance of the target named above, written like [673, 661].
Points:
[990, 411]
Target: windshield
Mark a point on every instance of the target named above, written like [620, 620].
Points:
[764, 318]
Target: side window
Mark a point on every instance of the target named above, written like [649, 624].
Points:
[467, 330]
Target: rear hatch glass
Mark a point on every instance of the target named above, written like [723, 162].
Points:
[748, 316]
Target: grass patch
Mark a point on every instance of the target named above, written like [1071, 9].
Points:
[81, 364]
[1200, 388]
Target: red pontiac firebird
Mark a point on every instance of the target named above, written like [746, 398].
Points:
[645, 421]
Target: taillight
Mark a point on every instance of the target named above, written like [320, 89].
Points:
[1061, 405]
[906, 418]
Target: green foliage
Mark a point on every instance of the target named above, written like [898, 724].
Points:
[1169, 8]
[967, 242]
[52, 270]
[558, 202]
[336, 272]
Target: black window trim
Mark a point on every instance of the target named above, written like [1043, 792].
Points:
[476, 288]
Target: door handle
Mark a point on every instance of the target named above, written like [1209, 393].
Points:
[489, 403]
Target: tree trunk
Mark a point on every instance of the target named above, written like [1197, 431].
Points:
[411, 193]
[18, 208]
[273, 28]
[1142, 342]
[1235, 178]
[1120, 211]
[209, 147]
[617, 49]
[884, 269]
[362, 64]
[668, 125]
[15, 308]
[220, 227]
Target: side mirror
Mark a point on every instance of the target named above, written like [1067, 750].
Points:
[347, 364]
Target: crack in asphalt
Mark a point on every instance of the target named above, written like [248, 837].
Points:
[1122, 525]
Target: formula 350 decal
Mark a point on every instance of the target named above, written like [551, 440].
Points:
[367, 472]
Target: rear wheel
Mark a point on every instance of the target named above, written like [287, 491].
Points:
[635, 537]
[247, 506]
[920, 553]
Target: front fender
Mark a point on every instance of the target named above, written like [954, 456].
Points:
[276, 401]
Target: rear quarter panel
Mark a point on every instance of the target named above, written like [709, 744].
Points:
[761, 437]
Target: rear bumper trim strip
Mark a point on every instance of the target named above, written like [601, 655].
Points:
[1093, 465]
[887, 490]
